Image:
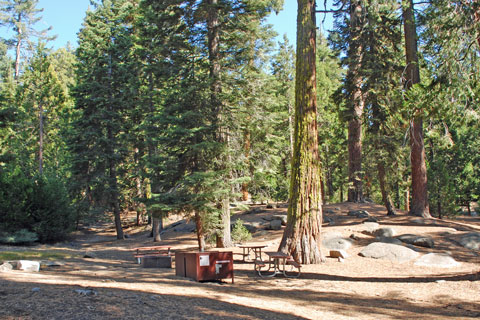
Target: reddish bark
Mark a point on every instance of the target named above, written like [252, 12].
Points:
[355, 190]
[301, 237]
[419, 205]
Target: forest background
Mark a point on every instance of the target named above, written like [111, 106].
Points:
[188, 106]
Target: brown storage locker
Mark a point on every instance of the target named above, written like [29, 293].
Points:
[204, 266]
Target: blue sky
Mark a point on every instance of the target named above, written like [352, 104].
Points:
[66, 16]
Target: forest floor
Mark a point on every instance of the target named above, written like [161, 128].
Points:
[112, 286]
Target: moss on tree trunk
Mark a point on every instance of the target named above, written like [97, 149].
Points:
[301, 237]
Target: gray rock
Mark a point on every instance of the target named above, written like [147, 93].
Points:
[420, 241]
[177, 223]
[86, 292]
[337, 243]
[52, 264]
[275, 225]
[90, 255]
[359, 213]
[6, 267]
[255, 210]
[188, 227]
[370, 227]
[392, 252]
[371, 219]
[389, 240]
[251, 227]
[327, 220]
[471, 241]
[281, 217]
[331, 234]
[438, 260]
[385, 232]
[35, 289]
[27, 265]
[330, 211]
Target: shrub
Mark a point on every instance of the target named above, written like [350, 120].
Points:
[39, 205]
[22, 236]
[240, 233]
[51, 211]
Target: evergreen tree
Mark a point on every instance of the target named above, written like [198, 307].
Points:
[382, 93]
[331, 130]
[349, 38]
[412, 76]
[21, 16]
[105, 92]
[451, 49]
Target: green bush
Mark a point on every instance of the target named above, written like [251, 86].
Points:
[22, 236]
[240, 233]
[51, 211]
[15, 190]
[39, 205]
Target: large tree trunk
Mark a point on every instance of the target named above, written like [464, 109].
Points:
[301, 237]
[355, 175]
[387, 200]
[419, 206]
[157, 227]
[213, 26]
[116, 202]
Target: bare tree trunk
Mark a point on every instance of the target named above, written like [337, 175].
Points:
[387, 200]
[156, 227]
[18, 48]
[355, 175]
[301, 237]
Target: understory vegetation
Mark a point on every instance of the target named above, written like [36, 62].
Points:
[182, 106]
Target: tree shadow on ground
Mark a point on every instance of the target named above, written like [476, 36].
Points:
[44, 301]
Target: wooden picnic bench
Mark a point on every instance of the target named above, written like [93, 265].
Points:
[141, 252]
[248, 248]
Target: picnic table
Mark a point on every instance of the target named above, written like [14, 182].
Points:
[247, 248]
[141, 252]
[278, 261]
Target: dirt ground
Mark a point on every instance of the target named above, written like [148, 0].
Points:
[115, 287]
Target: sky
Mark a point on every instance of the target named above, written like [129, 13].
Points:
[66, 17]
